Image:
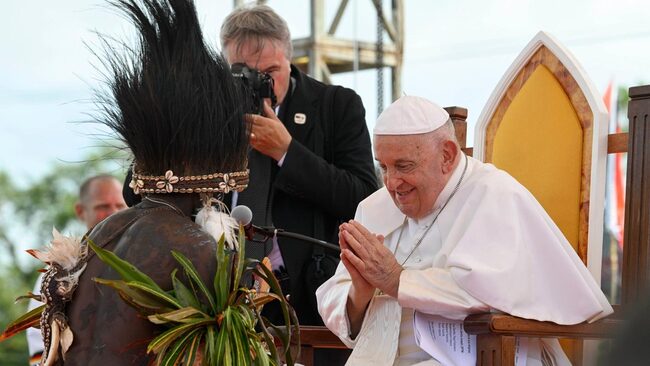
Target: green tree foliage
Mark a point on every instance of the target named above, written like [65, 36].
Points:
[27, 215]
[621, 106]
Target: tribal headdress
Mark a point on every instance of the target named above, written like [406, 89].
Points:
[173, 101]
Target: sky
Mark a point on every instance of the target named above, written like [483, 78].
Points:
[455, 54]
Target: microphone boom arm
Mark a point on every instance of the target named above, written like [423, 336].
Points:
[269, 232]
[308, 239]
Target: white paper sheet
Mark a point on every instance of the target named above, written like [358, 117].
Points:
[446, 341]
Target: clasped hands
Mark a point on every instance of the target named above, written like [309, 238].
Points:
[268, 134]
[371, 264]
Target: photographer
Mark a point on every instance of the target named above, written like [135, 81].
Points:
[311, 162]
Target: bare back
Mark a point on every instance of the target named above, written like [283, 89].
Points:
[107, 331]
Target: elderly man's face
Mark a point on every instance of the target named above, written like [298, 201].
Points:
[271, 59]
[412, 170]
[104, 198]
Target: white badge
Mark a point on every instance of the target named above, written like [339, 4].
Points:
[300, 118]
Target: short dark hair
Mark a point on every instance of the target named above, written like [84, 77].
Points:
[85, 186]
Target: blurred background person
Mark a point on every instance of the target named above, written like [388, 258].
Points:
[99, 197]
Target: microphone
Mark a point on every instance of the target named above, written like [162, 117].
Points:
[244, 216]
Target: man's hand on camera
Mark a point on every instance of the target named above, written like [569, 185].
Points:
[269, 136]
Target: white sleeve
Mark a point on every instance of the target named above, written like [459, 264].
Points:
[434, 291]
[332, 304]
[512, 256]
[332, 298]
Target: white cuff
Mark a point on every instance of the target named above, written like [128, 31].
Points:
[282, 160]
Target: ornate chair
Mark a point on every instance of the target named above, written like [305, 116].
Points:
[496, 333]
[546, 126]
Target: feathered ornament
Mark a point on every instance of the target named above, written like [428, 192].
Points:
[66, 257]
[216, 222]
[62, 250]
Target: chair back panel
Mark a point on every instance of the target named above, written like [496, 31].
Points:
[538, 126]
[542, 147]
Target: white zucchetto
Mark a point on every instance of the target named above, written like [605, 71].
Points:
[410, 115]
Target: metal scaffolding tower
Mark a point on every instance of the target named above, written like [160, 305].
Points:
[322, 54]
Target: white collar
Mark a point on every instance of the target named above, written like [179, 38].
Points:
[424, 220]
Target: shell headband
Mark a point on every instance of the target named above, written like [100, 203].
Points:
[207, 183]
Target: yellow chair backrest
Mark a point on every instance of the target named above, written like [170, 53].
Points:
[547, 126]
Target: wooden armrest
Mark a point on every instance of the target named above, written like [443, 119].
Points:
[502, 324]
[617, 142]
[319, 337]
[316, 337]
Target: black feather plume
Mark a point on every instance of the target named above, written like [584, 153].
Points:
[172, 99]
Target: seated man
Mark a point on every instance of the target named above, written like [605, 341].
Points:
[448, 235]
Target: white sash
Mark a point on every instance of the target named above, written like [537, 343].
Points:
[379, 335]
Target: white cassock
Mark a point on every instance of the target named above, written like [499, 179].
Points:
[492, 248]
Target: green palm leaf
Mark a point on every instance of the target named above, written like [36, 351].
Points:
[192, 349]
[192, 273]
[239, 336]
[259, 351]
[126, 270]
[29, 319]
[176, 351]
[163, 295]
[269, 340]
[291, 329]
[221, 277]
[240, 260]
[211, 346]
[185, 296]
[146, 302]
[223, 348]
[183, 315]
[166, 338]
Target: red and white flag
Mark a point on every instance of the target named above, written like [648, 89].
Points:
[615, 173]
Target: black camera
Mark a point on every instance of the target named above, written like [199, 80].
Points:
[256, 86]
